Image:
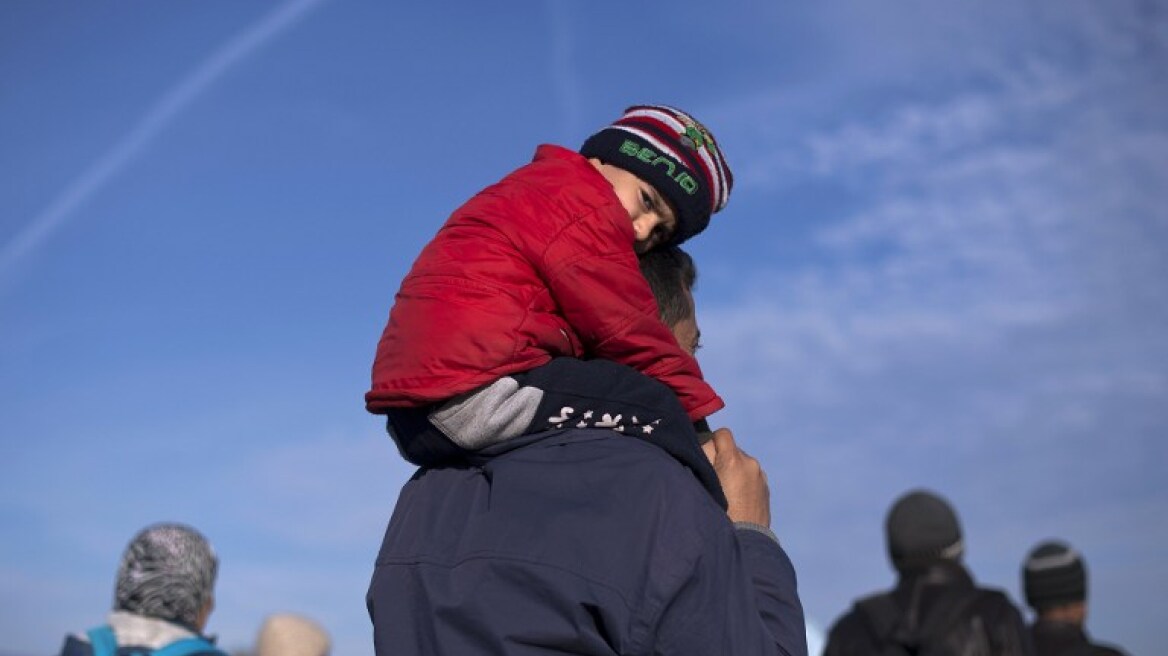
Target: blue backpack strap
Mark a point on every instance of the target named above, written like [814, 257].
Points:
[103, 641]
[188, 646]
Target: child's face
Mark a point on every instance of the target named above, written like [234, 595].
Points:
[653, 219]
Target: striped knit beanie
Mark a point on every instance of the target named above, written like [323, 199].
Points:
[168, 573]
[670, 150]
[1053, 575]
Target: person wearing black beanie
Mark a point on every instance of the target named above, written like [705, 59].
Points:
[1054, 581]
[935, 607]
[922, 528]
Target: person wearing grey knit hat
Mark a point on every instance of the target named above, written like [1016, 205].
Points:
[1054, 580]
[163, 597]
[936, 606]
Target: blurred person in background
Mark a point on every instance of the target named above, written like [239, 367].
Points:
[288, 634]
[935, 607]
[1054, 580]
[162, 599]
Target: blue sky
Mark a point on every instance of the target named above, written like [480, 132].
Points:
[943, 265]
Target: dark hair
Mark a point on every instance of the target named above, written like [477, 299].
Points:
[671, 273]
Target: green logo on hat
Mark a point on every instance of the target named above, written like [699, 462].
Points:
[652, 158]
[696, 136]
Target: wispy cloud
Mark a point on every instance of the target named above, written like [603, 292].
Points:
[65, 205]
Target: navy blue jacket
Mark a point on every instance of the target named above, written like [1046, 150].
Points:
[576, 541]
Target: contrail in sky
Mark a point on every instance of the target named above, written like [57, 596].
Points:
[158, 117]
[564, 79]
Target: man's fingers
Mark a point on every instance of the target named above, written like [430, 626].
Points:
[710, 450]
[726, 450]
[742, 478]
[723, 441]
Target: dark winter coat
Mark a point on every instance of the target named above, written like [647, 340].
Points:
[1063, 639]
[917, 594]
[576, 541]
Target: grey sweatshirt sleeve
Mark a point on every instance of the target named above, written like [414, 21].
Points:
[488, 415]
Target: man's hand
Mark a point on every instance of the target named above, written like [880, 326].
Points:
[743, 480]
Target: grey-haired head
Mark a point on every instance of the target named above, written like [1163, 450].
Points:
[168, 572]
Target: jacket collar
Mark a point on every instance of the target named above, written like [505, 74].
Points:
[939, 573]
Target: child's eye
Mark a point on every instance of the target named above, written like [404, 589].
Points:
[647, 200]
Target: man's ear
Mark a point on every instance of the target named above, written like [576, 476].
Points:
[205, 613]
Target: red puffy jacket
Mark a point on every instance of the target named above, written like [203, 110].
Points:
[538, 265]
